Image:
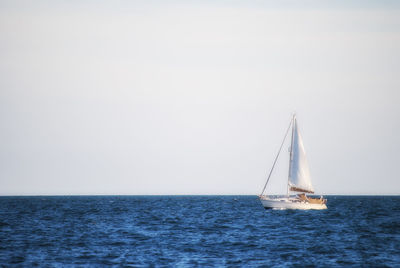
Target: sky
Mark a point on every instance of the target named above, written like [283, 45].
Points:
[194, 97]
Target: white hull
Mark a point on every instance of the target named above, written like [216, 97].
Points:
[289, 203]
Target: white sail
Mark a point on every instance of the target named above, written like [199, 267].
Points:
[299, 174]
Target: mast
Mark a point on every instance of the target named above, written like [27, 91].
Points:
[290, 153]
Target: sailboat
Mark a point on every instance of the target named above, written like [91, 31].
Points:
[299, 180]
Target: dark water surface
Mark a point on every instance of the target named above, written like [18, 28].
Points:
[197, 231]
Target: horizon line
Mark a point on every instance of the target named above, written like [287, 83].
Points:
[40, 195]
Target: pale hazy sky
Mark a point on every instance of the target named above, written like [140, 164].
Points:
[193, 97]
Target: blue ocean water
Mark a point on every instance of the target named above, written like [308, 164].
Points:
[187, 231]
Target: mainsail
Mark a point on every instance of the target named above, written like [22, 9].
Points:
[299, 174]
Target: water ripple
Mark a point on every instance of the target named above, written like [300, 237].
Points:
[196, 231]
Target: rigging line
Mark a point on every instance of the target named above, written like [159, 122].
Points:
[276, 158]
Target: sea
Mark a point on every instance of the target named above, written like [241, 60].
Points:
[197, 231]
